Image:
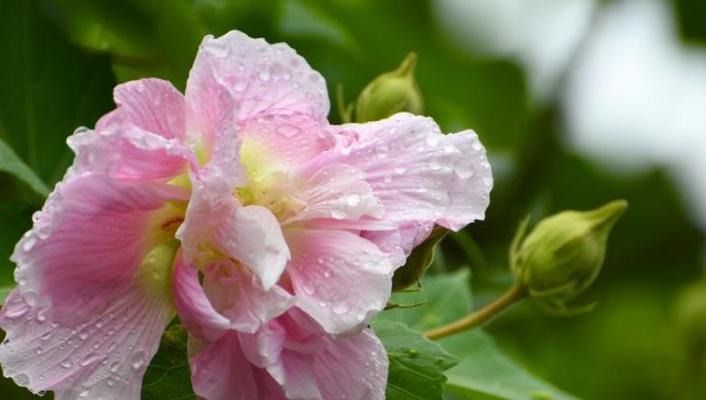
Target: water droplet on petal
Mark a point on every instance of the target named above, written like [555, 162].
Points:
[400, 170]
[288, 130]
[308, 289]
[353, 200]
[84, 394]
[340, 308]
[338, 214]
[433, 140]
[67, 363]
[138, 360]
[29, 243]
[114, 367]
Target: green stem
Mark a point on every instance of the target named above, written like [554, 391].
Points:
[477, 318]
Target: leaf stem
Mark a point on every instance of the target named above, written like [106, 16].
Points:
[477, 318]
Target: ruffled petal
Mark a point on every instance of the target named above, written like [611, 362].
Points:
[153, 105]
[220, 371]
[95, 355]
[251, 235]
[89, 240]
[339, 192]
[340, 279]
[127, 152]
[250, 78]
[421, 176]
[352, 368]
[229, 300]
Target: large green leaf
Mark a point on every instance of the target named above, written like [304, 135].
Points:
[484, 372]
[54, 87]
[417, 365]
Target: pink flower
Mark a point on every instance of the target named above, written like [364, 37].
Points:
[295, 225]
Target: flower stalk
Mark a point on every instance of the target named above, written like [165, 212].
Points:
[479, 317]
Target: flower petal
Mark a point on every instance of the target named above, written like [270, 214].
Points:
[153, 105]
[89, 240]
[231, 300]
[421, 176]
[127, 152]
[341, 280]
[220, 371]
[95, 355]
[352, 368]
[251, 235]
[337, 191]
[250, 78]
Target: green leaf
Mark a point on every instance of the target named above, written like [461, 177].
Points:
[12, 164]
[168, 377]
[485, 372]
[417, 365]
[54, 87]
[418, 261]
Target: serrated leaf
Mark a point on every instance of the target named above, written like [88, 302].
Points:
[485, 371]
[168, 376]
[418, 261]
[417, 365]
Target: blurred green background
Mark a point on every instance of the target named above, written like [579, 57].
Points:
[528, 76]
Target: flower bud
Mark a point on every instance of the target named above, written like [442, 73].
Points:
[390, 93]
[563, 255]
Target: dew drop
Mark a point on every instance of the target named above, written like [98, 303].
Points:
[90, 358]
[308, 289]
[400, 170]
[353, 200]
[67, 364]
[338, 214]
[84, 394]
[114, 367]
[138, 360]
[288, 130]
[433, 140]
[21, 379]
[340, 308]
[29, 243]
[83, 335]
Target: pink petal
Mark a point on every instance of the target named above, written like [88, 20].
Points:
[220, 371]
[127, 152]
[153, 105]
[338, 192]
[421, 176]
[352, 368]
[251, 235]
[95, 355]
[341, 280]
[235, 73]
[232, 300]
[88, 241]
[467, 201]
[287, 141]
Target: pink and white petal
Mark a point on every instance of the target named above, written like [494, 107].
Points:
[340, 279]
[352, 368]
[153, 105]
[127, 152]
[283, 142]
[300, 377]
[252, 235]
[469, 195]
[95, 355]
[238, 296]
[88, 242]
[415, 171]
[251, 78]
[337, 191]
[220, 371]
[195, 310]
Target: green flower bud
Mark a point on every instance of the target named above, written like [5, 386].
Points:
[391, 92]
[563, 255]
